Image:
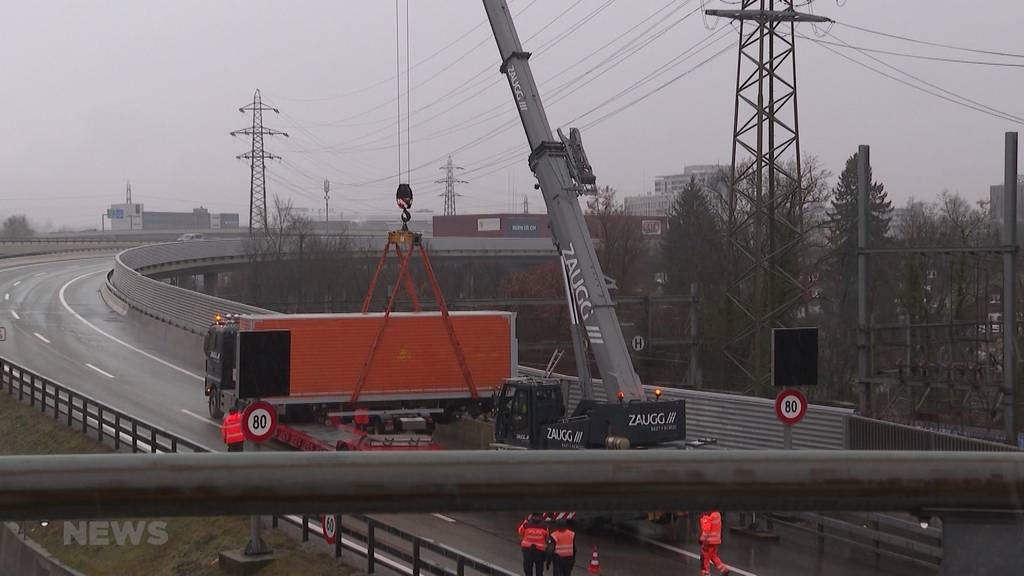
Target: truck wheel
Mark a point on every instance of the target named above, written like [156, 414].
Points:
[216, 411]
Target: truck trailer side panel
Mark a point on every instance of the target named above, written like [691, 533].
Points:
[414, 355]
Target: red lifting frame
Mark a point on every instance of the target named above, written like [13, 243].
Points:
[414, 242]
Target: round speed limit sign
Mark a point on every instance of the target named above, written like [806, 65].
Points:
[790, 406]
[330, 526]
[259, 421]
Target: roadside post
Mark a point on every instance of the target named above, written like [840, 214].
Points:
[259, 421]
[794, 364]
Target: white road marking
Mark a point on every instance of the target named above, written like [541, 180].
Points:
[15, 314]
[41, 337]
[16, 283]
[107, 374]
[39, 274]
[67, 307]
[670, 548]
[445, 518]
[7, 296]
[202, 418]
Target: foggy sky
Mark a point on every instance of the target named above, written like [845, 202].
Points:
[95, 93]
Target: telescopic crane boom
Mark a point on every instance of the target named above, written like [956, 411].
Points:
[562, 169]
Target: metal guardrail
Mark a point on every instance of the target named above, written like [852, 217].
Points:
[868, 434]
[179, 307]
[370, 536]
[922, 546]
[123, 431]
[92, 415]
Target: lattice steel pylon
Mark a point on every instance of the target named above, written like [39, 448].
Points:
[765, 182]
[449, 182]
[257, 157]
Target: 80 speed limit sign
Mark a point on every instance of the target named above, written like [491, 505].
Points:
[790, 406]
[259, 421]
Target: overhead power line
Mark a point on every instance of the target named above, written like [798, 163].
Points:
[916, 56]
[937, 91]
[927, 43]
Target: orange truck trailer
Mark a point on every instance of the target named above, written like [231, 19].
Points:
[370, 372]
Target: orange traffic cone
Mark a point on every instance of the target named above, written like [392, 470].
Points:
[595, 563]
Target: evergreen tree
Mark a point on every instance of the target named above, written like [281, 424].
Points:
[840, 283]
[692, 247]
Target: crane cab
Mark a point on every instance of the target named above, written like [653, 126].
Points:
[531, 413]
[523, 407]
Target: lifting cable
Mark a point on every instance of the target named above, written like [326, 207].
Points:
[403, 195]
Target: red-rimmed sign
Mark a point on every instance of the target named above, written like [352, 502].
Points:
[329, 524]
[790, 406]
[259, 421]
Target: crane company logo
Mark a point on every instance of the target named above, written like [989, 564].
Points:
[579, 290]
[563, 435]
[517, 90]
[652, 419]
[107, 532]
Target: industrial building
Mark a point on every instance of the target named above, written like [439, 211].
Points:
[133, 216]
[526, 225]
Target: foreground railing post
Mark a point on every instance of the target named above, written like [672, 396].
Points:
[415, 557]
[370, 545]
[337, 535]
[305, 528]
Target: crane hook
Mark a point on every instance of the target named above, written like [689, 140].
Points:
[403, 197]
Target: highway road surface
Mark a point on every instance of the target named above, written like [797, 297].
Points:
[58, 326]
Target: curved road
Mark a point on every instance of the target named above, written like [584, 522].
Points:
[58, 326]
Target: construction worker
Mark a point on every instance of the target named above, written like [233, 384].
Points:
[562, 544]
[533, 536]
[710, 538]
[231, 431]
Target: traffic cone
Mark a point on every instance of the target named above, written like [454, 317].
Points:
[595, 563]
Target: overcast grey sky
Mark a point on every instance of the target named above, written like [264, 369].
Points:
[98, 92]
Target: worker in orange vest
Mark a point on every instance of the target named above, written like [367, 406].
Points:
[231, 431]
[533, 536]
[710, 538]
[562, 545]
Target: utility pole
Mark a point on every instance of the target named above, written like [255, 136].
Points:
[257, 157]
[1014, 402]
[449, 182]
[327, 203]
[129, 208]
[765, 191]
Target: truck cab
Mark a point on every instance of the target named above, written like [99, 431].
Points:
[219, 346]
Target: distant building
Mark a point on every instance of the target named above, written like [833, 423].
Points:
[710, 177]
[198, 219]
[995, 208]
[125, 217]
[128, 217]
[528, 225]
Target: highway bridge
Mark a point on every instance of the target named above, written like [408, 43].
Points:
[60, 327]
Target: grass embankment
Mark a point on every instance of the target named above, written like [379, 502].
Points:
[192, 543]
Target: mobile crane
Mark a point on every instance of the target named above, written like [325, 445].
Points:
[531, 413]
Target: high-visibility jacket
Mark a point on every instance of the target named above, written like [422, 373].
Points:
[231, 429]
[565, 542]
[711, 528]
[533, 535]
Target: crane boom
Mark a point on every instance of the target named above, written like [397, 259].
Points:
[563, 172]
